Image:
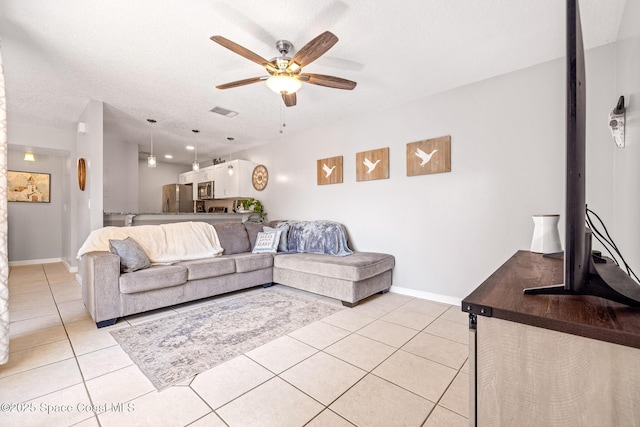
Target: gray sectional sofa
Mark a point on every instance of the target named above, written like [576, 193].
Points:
[109, 294]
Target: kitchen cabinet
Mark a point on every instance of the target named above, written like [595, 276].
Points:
[189, 178]
[206, 174]
[233, 179]
[186, 177]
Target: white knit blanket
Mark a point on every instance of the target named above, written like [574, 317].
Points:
[163, 244]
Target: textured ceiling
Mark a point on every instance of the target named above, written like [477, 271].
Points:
[154, 59]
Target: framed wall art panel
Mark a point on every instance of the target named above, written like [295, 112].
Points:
[372, 164]
[429, 156]
[330, 170]
[31, 187]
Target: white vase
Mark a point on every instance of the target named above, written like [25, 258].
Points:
[546, 237]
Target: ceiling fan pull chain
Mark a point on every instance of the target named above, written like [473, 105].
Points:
[282, 118]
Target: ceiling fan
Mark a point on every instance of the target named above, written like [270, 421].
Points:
[286, 75]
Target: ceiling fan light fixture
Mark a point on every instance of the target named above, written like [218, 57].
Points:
[283, 83]
[293, 67]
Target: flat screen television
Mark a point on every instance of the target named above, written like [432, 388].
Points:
[583, 275]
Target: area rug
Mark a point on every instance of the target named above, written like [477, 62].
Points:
[177, 347]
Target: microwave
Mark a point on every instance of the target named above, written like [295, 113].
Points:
[205, 190]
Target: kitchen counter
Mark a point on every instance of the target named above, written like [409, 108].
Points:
[126, 219]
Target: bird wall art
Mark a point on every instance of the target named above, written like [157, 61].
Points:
[429, 156]
[372, 164]
[329, 170]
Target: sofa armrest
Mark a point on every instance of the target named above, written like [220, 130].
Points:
[100, 272]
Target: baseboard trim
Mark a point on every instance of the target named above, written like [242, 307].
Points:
[426, 295]
[34, 261]
[68, 266]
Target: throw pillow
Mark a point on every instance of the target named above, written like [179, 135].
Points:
[233, 237]
[253, 228]
[267, 241]
[132, 256]
[282, 246]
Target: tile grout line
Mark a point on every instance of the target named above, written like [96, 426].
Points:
[396, 350]
[325, 407]
[75, 356]
[73, 350]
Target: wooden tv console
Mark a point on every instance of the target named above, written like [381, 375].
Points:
[550, 360]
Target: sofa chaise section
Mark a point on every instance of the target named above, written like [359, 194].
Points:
[350, 278]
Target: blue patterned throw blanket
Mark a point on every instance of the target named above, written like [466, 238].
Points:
[318, 237]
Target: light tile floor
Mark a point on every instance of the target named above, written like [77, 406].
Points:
[391, 361]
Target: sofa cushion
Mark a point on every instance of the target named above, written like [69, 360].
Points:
[132, 256]
[253, 228]
[252, 262]
[233, 237]
[355, 267]
[210, 267]
[156, 277]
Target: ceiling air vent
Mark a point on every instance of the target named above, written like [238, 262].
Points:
[223, 112]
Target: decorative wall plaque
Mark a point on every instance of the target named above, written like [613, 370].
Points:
[82, 173]
[330, 170]
[372, 164]
[429, 156]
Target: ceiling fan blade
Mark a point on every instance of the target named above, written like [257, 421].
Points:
[243, 51]
[241, 82]
[313, 50]
[328, 81]
[289, 100]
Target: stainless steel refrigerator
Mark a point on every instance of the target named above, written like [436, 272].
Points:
[177, 198]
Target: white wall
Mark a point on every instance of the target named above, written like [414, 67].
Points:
[88, 204]
[120, 179]
[151, 181]
[35, 231]
[448, 231]
[626, 229]
[51, 223]
[41, 137]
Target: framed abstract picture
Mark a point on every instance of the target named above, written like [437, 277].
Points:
[31, 187]
[429, 156]
[372, 164]
[330, 170]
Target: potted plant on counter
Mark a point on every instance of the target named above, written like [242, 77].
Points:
[252, 205]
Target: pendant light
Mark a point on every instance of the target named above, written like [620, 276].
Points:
[151, 160]
[196, 165]
[230, 167]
